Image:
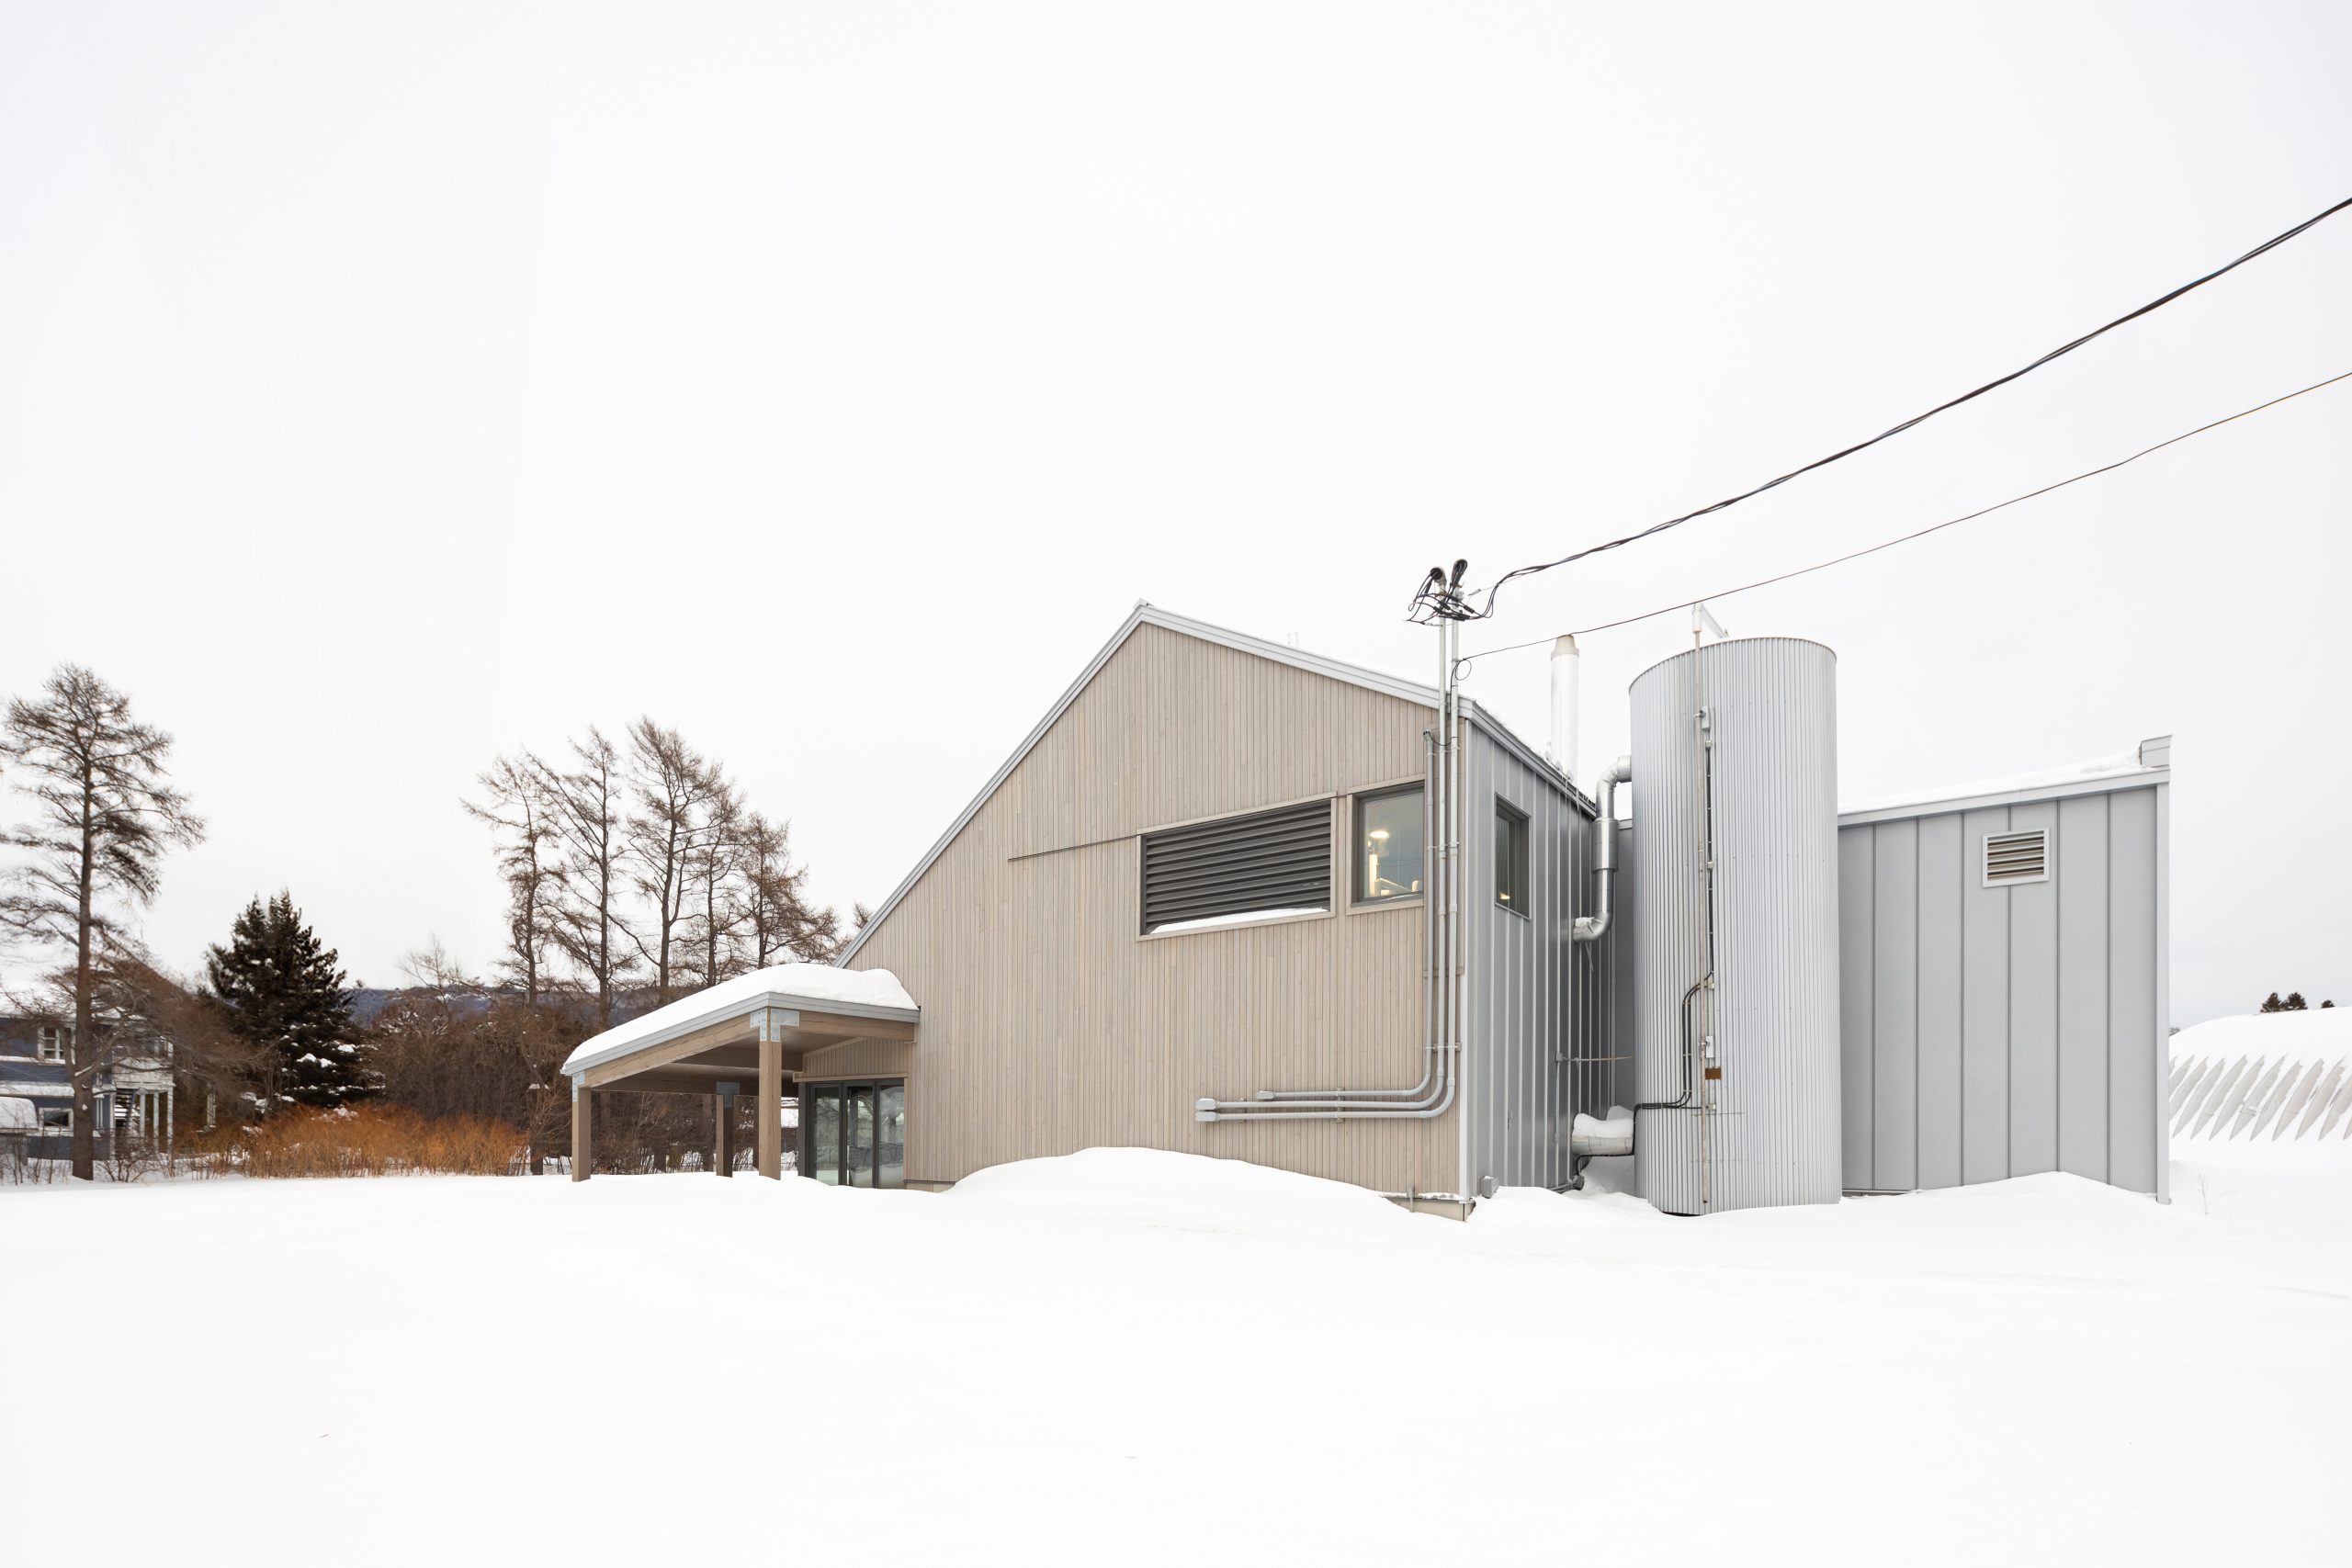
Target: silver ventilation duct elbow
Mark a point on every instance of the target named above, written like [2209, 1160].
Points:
[1589, 927]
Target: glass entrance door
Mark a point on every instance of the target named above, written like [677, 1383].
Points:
[855, 1133]
[861, 1134]
[821, 1133]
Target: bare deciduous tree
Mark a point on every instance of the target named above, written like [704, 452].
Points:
[714, 868]
[673, 787]
[516, 805]
[584, 807]
[106, 813]
[780, 923]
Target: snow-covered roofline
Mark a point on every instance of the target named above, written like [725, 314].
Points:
[817, 987]
[2148, 764]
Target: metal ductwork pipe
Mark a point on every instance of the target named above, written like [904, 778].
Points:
[1564, 706]
[1443, 994]
[1590, 928]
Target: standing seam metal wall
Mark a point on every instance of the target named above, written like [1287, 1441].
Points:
[1772, 1136]
[1521, 969]
[1996, 1032]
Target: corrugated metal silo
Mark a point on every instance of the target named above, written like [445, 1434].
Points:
[1764, 1128]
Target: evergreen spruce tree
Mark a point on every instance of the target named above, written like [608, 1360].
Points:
[2272, 1004]
[2295, 1003]
[285, 991]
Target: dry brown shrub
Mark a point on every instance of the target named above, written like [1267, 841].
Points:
[377, 1140]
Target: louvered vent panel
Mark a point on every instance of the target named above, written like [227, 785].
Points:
[2012, 858]
[1238, 865]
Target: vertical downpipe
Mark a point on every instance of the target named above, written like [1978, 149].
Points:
[1702, 723]
[1452, 858]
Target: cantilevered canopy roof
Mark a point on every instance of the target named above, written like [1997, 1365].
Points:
[698, 1042]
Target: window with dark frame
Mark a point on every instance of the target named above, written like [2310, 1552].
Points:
[1511, 856]
[1386, 845]
[1265, 863]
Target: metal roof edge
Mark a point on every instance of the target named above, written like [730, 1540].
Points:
[1509, 739]
[745, 1007]
[1944, 806]
[1147, 612]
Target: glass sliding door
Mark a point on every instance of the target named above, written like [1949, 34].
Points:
[820, 1108]
[861, 1136]
[891, 1140]
[855, 1135]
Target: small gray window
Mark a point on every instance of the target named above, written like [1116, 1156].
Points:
[56, 1119]
[50, 1043]
[1511, 856]
[1267, 864]
[2012, 858]
[1387, 845]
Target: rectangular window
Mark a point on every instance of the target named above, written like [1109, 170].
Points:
[56, 1118]
[51, 1043]
[1510, 857]
[1388, 842]
[1266, 864]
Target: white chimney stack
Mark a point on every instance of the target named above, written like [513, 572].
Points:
[1564, 706]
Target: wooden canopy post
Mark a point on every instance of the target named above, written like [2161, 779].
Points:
[723, 1141]
[583, 1130]
[771, 1147]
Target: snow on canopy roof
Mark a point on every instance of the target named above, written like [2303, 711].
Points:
[17, 1115]
[2117, 764]
[821, 988]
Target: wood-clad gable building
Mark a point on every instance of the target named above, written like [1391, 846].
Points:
[1058, 1014]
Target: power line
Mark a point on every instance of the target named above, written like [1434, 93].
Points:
[1923, 533]
[2066, 348]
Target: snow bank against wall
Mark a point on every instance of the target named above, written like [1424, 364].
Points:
[1172, 1192]
[2268, 1090]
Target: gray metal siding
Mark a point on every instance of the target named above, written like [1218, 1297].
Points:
[2000, 1032]
[1941, 976]
[1895, 1003]
[1522, 969]
[2134, 1100]
[1609, 1076]
[1984, 1012]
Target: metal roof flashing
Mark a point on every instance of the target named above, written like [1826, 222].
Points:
[2152, 767]
[1148, 614]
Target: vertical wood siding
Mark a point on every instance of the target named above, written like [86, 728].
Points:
[1997, 1032]
[1049, 1026]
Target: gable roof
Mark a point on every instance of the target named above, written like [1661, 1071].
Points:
[1146, 614]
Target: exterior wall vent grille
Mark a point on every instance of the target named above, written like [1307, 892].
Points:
[1265, 862]
[2012, 858]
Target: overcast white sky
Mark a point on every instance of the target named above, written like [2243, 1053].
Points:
[384, 387]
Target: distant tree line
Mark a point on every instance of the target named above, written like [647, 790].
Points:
[2294, 1003]
[636, 873]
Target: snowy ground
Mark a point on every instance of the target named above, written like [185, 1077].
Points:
[1134, 1356]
